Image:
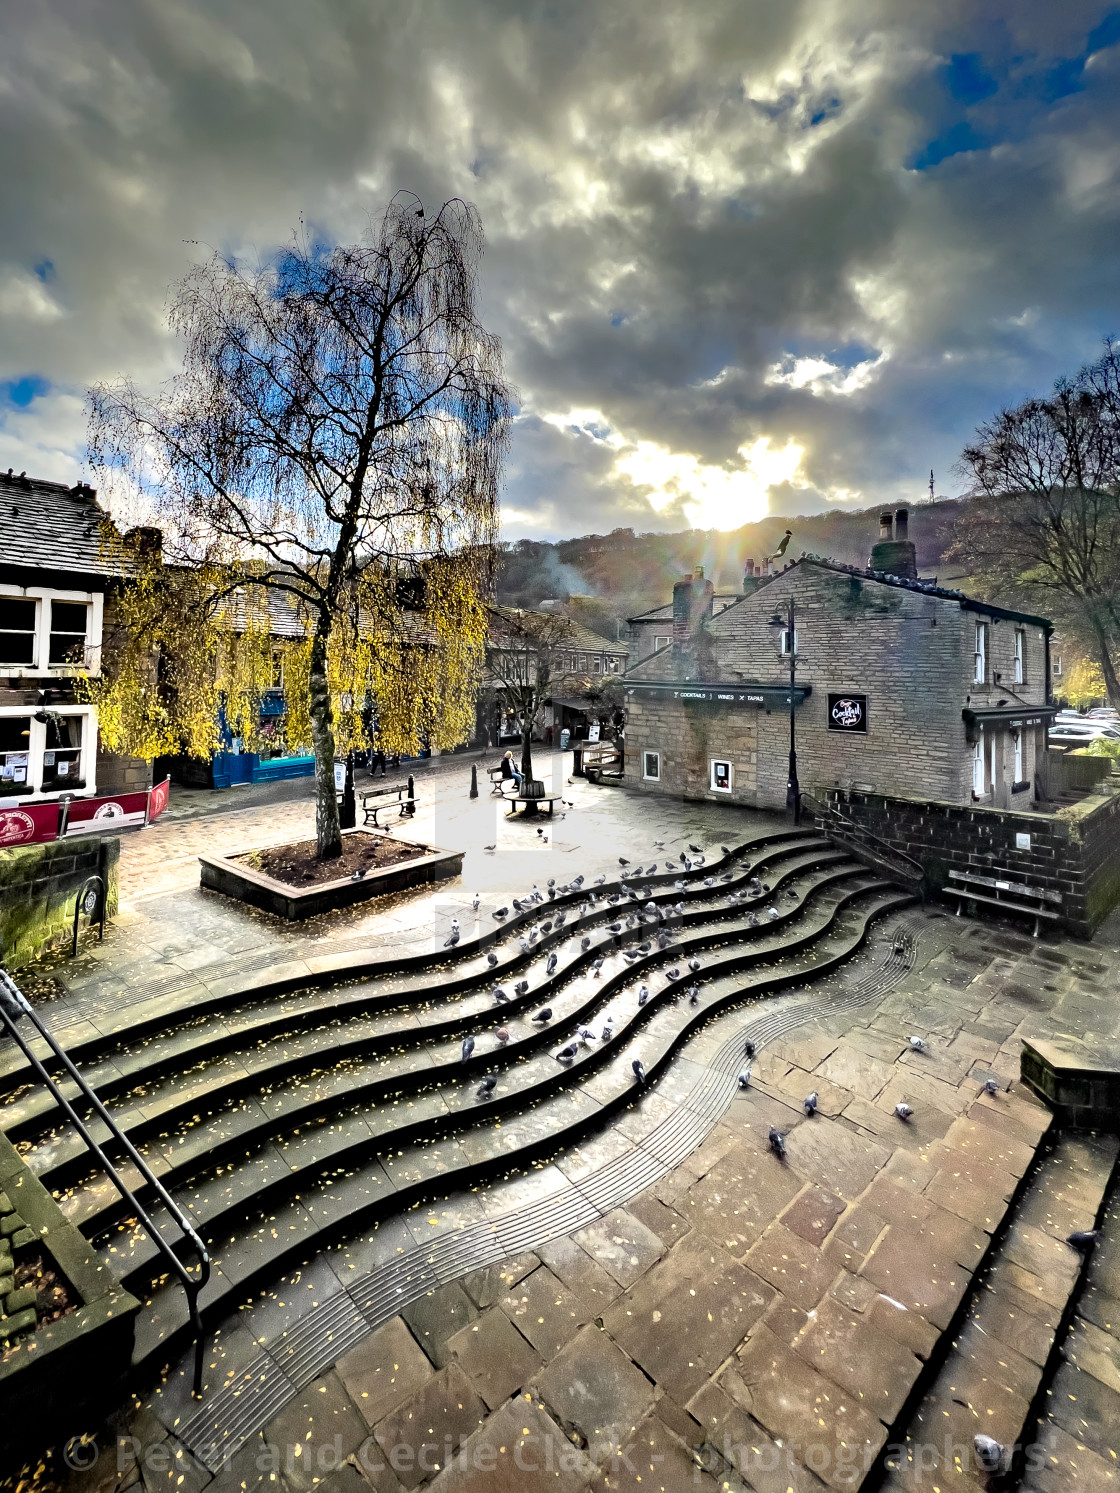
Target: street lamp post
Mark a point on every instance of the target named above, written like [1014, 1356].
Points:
[793, 787]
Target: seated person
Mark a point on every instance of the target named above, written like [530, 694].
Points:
[509, 770]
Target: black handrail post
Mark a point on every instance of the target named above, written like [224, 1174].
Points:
[102, 898]
[13, 1005]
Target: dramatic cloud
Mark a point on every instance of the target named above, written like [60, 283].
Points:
[741, 255]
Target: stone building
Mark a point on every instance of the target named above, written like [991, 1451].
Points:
[61, 561]
[903, 688]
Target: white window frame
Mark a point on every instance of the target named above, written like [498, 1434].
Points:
[1020, 635]
[37, 745]
[660, 642]
[980, 654]
[651, 777]
[1017, 756]
[715, 762]
[785, 641]
[40, 667]
[597, 663]
[1057, 665]
[978, 768]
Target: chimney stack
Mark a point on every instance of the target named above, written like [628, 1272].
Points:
[692, 602]
[750, 580]
[894, 554]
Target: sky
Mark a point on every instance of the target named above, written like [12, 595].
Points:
[744, 257]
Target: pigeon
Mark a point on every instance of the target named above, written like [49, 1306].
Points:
[811, 1102]
[614, 927]
[599, 880]
[492, 959]
[709, 881]
[585, 944]
[663, 940]
[468, 1047]
[517, 904]
[501, 912]
[499, 994]
[991, 1087]
[487, 1086]
[903, 1110]
[474, 904]
[489, 847]
[792, 892]
[607, 1032]
[694, 964]
[748, 1048]
[659, 844]
[502, 1035]
[544, 841]
[670, 865]
[673, 974]
[726, 850]
[596, 966]
[771, 912]
[745, 1078]
[521, 988]
[693, 995]
[1083, 1239]
[566, 1054]
[534, 934]
[546, 927]
[524, 945]
[585, 1035]
[540, 831]
[989, 1452]
[643, 995]
[357, 876]
[639, 1070]
[622, 861]
[777, 1143]
[452, 939]
[544, 1016]
[550, 967]
[752, 921]
[917, 1044]
[652, 869]
[696, 850]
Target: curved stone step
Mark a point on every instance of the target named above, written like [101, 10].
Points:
[428, 1054]
[424, 1141]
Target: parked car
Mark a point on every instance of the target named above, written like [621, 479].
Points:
[1067, 733]
[1103, 713]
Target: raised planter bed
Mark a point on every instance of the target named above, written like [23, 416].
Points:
[234, 877]
[67, 1351]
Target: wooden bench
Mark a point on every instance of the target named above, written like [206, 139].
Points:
[551, 799]
[605, 760]
[1001, 890]
[377, 801]
[497, 782]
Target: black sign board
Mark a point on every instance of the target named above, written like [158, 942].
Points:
[848, 713]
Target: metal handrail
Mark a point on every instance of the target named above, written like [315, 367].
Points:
[13, 1005]
[102, 898]
[843, 828]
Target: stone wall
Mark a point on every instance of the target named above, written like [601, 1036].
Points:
[1075, 851]
[38, 885]
[910, 653]
[121, 774]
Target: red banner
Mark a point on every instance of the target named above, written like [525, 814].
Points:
[98, 816]
[159, 796]
[30, 824]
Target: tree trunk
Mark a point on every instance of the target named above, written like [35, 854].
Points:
[1108, 669]
[527, 751]
[328, 832]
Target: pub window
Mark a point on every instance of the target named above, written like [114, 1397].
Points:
[1018, 657]
[651, 767]
[1017, 750]
[660, 642]
[62, 756]
[978, 768]
[785, 640]
[721, 775]
[17, 630]
[68, 632]
[980, 654]
[15, 740]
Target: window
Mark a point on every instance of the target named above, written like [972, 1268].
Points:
[1017, 750]
[612, 663]
[978, 769]
[597, 664]
[785, 640]
[721, 776]
[1058, 665]
[651, 767]
[661, 642]
[583, 663]
[62, 753]
[68, 632]
[15, 748]
[17, 630]
[277, 671]
[1018, 658]
[980, 654]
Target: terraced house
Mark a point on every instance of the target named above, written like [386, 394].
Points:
[903, 688]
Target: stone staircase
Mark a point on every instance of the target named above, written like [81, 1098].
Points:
[291, 1115]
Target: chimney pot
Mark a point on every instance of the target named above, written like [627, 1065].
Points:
[901, 523]
[885, 526]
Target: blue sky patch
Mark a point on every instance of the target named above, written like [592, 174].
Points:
[21, 391]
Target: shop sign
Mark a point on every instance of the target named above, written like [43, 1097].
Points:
[848, 713]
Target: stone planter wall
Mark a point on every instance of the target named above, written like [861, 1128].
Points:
[38, 885]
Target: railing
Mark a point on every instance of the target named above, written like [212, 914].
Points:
[865, 844]
[14, 1005]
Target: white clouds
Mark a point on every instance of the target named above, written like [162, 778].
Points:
[688, 210]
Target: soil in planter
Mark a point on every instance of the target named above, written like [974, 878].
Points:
[298, 865]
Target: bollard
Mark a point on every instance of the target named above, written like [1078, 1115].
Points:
[474, 780]
[411, 804]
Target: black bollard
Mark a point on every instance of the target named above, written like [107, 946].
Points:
[411, 804]
[474, 780]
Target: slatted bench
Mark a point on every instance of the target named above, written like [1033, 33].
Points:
[999, 889]
[377, 801]
[497, 782]
[551, 799]
[605, 761]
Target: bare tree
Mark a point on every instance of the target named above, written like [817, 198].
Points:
[528, 657]
[1047, 525]
[336, 435]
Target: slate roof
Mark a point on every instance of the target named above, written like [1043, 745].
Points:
[49, 526]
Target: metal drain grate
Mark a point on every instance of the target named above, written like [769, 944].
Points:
[227, 1420]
